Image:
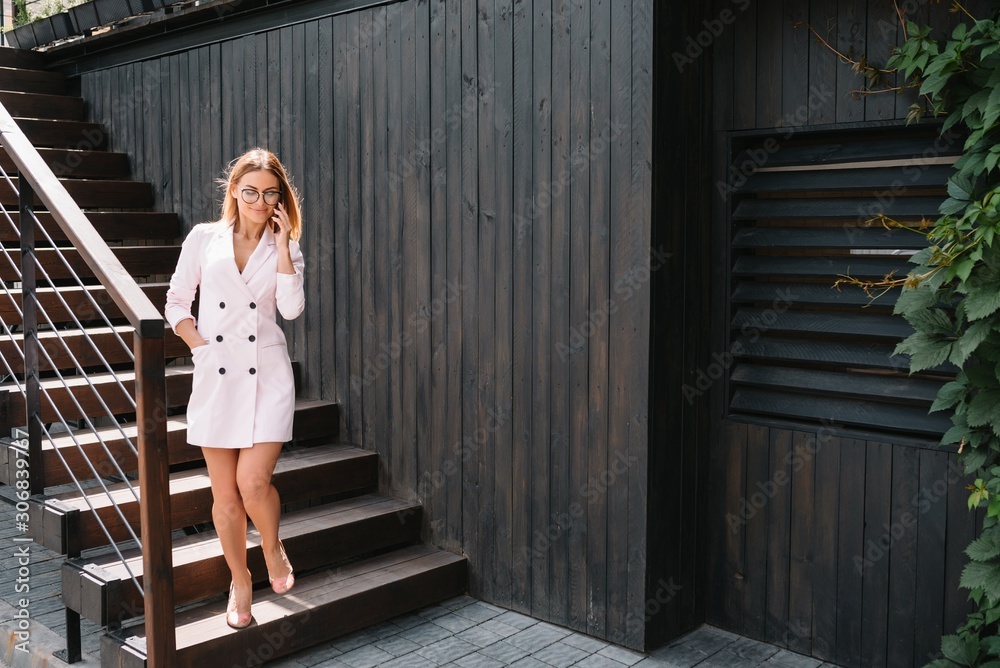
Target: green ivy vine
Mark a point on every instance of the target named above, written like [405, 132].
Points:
[952, 296]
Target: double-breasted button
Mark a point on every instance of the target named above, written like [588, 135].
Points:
[222, 370]
[253, 305]
[222, 304]
[252, 371]
[219, 338]
[252, 338]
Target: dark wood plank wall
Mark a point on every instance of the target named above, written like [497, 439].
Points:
[845, 548]
[476, 182]
[835, 547]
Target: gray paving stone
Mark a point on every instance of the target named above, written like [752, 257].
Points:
[516, 619]
[530, 662]
[478, 612]
[586, 643]
[457, 602]
[785, 659]
[478, 660]
[433, 612]
[752, 649]
[499, 628]
[332, 663]
[318, 655]
[679, 655]
[480, 636]
[622, 655]
[449, 649]
[409, 621]
[454, 622]
[365, 657]
[504, 651]
[650, 662]
[397, 646]
[561, 655]
[535, 638]
[384, 630]
[353, 641]
[410, 661]
[707, 639]
[743, 653]
[598, 661]
[427, 633]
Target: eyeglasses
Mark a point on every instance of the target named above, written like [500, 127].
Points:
[250, 196]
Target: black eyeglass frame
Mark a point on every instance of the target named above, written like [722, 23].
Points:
[273, 195]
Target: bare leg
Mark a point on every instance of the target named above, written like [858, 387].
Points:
[230, 519]
[260, 498]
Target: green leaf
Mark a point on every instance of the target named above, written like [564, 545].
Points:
[974, 460]
[984, 548]
[955, 434]
[985, 576]
[963, 651]
[952, 206]
[915, 299]
[960, 188]
[984, 408]
[972, 339]
[982, 301]
[925, 350]
[949, 395]
[929, 320]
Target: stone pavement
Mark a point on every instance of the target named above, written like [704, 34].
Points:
[459, 632]
[467, 633]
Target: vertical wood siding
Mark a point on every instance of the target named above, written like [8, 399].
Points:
[845, 549]
[836, 548]
[476, 183]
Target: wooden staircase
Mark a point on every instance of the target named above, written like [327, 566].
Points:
[355, 552]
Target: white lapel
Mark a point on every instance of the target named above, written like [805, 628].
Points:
[228, 254]
[265, 248]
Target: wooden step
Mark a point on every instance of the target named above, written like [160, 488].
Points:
[313, 419]
[79, 397]
[93, 194]
[101, 589]
[39, 105]
[301, 475]
[75, 346]
[59, 303]
[31, 81]
[112, 226]
[77, 163]
[137, 261]
[21, 58]
[53, 133]
[320, 607]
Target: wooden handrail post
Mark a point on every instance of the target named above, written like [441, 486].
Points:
[29, 321]
[154, 499]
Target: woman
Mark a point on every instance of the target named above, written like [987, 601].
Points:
[248, 265]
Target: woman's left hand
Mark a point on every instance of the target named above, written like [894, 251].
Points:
[280, 216]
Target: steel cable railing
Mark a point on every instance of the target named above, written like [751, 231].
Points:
[28, 255]
[148, 404]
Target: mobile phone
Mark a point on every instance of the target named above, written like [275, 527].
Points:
[274, 219]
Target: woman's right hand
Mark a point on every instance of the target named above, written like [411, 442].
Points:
[190, 334]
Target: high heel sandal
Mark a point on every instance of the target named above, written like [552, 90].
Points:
[234, 618]
[283, 584]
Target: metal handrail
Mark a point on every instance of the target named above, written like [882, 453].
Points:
[35, 177]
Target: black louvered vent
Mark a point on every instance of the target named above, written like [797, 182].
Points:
[802, 349]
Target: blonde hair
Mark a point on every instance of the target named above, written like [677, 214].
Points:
[255, 160]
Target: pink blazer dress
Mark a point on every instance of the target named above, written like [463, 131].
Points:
[243, 391]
